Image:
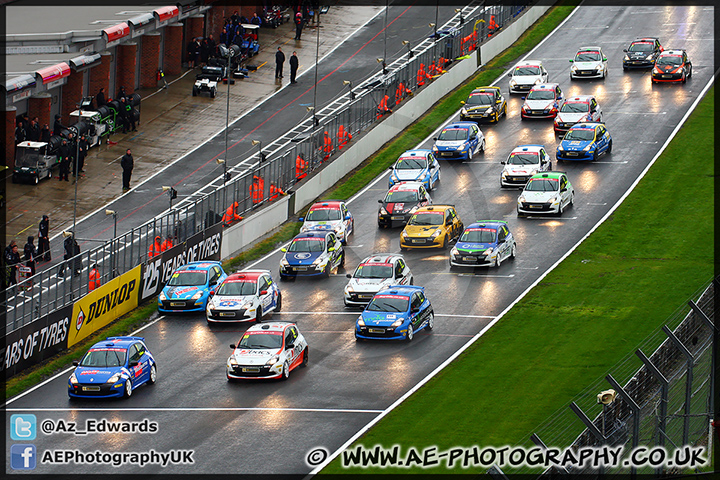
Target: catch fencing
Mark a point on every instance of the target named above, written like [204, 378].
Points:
[330, 131]
[667, 402]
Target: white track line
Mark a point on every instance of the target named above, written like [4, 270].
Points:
[358, 312]
[196, 409]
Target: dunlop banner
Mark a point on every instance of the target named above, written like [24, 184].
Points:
[103, 305]
[36, 341]
[201, 246]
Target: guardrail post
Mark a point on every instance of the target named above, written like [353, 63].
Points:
[636, 415]
[688, 380]
[664, 393]
[710, 324]
[536, 440]
[602, 439]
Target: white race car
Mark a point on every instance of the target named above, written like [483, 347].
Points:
[589, 62]
[329, 215]
[583, 108]
[244, 296]
[269, 350]
[526, 75]
[375, 273]
[522, 163]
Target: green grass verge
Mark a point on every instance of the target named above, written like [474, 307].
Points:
[619, 286]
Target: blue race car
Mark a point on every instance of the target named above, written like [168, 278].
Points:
[584, 141]
[113, 367]
[459, 140]
[416, 166]
[312, 253]
[395, 313]
[190, 287]
[484, 243]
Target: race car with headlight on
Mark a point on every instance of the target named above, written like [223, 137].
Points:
[642, 53]
[190, 287]
[483, 244]
[484, 103]
[312, 253]
[525, 75]
[584, 141]
[416, 166]
[395, 313]
[329, 215]
[431, 227]
[113, 367]
[461, 140]
[547, 192]
[589, 62]
[522, 163]
[579, 109]
[672, 66]
[543, 101]
[378, 271]
[244, 296]
[401, 202]
[268, 350]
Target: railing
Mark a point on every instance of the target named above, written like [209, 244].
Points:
[256, 184]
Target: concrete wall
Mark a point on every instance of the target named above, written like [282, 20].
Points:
[237, 237]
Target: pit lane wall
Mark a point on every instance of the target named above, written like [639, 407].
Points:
[239, 236]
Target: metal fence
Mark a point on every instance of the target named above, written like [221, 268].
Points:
[667, 402]
[361, 108]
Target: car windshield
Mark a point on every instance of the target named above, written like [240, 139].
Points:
[542, 185]
[583, 134]
[373, 271]
[187, 277]
[104, 357]
[323, 215]
[426, 218]
[525, 158]
[541, 95]
[410, 163]
[236, 288]
[588, 57]
[529, 70]
[402, 196]
[261, 340]
[27, 158]
[480, 99]
[574, 107]
[669, 60]
[388, 303]
[453, 134]
[478, 235]
[307, 245]
[641, 47]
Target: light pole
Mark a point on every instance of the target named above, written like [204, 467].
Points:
[384, 66]
[77, 161]
[410, 52]
[349, 83]
[459, 10]
[112, 243]
[261, 157]
[229, 53]
[172, 193]
[317, 54]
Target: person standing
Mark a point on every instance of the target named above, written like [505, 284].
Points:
[279, 60]
[100, 98]
[93, 278]
[82, 152]
[12, 260]
[191, 53]
[30, 253]
[121, 93]
[20, 133]
[57, 126]
[72, 252]
[34, 130]
[45, 133]
[64, 154]
[298, 24]
[127, 164]
[293, 67]
[44, 239]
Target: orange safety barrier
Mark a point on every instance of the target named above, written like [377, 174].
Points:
[256, 189]
[231, 215]
[301, 166]
[155, 248]
[275, 192]
[383, 108]
[343, 137]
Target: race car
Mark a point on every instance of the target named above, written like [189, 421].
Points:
[589, 62]
[375, 273]
[431, 227]
[583, 108]
[483, 244]
[329, 215]
[416, 166]
[312, 253]
[526, 75]
[190, 287]
[672, 66]
[401, 202]
[522, 163]
[461, 140]
[584, 141]
[484, 103]
[268, 350]
[114, 367]
[548, 192]
[207, 81]
[642, 53]
[395, 313]
[543, 101]
[244, 296]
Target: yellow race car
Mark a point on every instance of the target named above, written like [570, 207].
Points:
[433, 226]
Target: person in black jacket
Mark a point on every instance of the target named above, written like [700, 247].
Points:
[82, 151]
[279, 60]
[57, 126]
[64, 155]
[30, 253]
[121, 93]
[72, 255]
[44, 239]
[293, 67]
[127, 163]
[45, 133]
[20, 133]
[299, 21]
[100, 98]
[12, 260]
[34, 130]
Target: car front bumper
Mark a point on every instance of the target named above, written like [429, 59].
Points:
[393, 220]
[518, 181]
[240, 315]
[422, 242]
[576, 155]
[537, 114]
[587, 74]
[381, 333]
[468, 260]
[358, 299]
[527, 208]
[667, 77]
[638, 63]
[247, 372]
[99, 391]
[301, 271]
[181, 306]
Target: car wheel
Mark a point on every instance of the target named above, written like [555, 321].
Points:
[258, 314]
[212, 93]
[306, 357]
[195, 92]
[128, 389]
[153, 375]
[342, 261]
[519, 214]
[505, 110]
[497, 117]
[49, 174]
[572, 199]
[595, 154]
[445, 242]
[609, 149]
[358, 339]
[498, 260]
[402, 249]
[512, 251]
[431, 321]
[36, 179]
[560, 208]
[550, 166]
[482, 147]
[690, 72]
[410, 333]
[285, 371]
[412, 280]
[684, 78]
[278, 302]
[326, 273]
